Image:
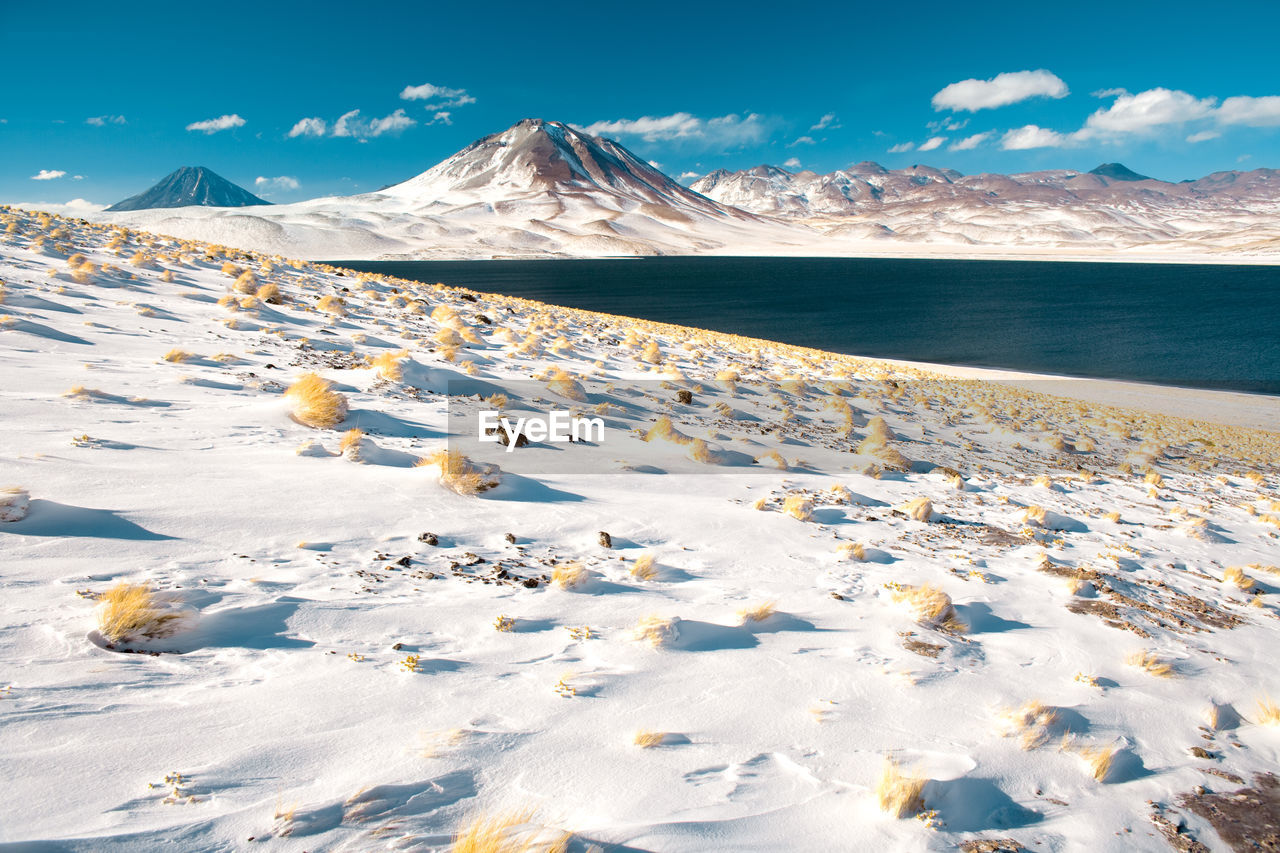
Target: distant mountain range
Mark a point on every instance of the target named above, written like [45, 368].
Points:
[188, 186]
[542, 188]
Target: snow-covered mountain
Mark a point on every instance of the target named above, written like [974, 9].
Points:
[1110, 207]
[543, 189]
[188, 186]
[539, 188]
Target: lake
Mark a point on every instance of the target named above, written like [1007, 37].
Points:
[1205, 326]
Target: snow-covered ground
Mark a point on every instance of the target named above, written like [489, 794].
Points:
[337, 675]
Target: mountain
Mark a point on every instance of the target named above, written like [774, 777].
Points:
[190, 185]
[545, 189]
[1118, 172]
[538, 188]
[1107, 209]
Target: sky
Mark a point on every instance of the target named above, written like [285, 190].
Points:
[296, 101]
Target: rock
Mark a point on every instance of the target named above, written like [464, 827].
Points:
[397, 647]
[606, 541]
[511, 537]
[404, 561]
[530, 583]
[683, 396]
[429, 538]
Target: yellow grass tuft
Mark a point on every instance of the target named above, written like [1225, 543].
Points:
[1152, 663]
[269, 293]
[246, 282]
[134, 611]
[566, 386]
[665, 430]
[899, 794]
[504, 623]
[656, 631]
[930, 605]
[1268, 712]
[643, 568]
[509, 833]
[773, 457]
[1235, 576]
[921, 509]
[315, 403]
[231, 269]
[388, 365]
[798, 507]
[331, 304]
[1033, 724]
[646, 739]
[758, 613]
[1099, 760]
[851, 551]
[178, 356]
[1113, 517]
[350, 444]
[459, 474]
[569, 575]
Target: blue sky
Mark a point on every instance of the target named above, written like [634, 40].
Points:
[114, 96]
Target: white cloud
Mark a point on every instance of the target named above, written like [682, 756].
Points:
[1252, 112]
[901, 147]
[970, 142]
[827, 121]
[100, 121]
[1147, 110]
[77, 177]
[803, 140]
[442, 117]
[1000, 91]
[441, 96]
[1109, 93]
[48, 175]
[684, 176]
[213, 125]
[1203, 136]
[75, 207]
[350, 124]
[1033, 136]
[309, 127]
[729, 130]
[932, 143]
[283, 182]
[793, 163]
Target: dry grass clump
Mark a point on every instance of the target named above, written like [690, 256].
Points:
[566, 386]
[246, 282]
[231, 269]
[569, 575]
[14, 502]
[315, 403]
[1033, 723]
[851, 551]
[921, 509]
[388, 365]
[643, 568]
[646, 739]
[331, 304]
[930, 605]
[350, 444]
[269, 293]
[1034, 515]
[656, 631]
[1235, 576]
[758, 613]
[665, 430]
[1099, 759]
[459, 474]
[1268, 712]
[774, 458]
[899, 794]
[509, 833]
[134, 611]
[504, 623]
[1153, 664]
[178, 356]
[798, 507]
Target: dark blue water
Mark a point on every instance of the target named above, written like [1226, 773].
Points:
[1202, 326]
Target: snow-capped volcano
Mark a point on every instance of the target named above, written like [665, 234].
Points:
[535, 157]
[190, 186]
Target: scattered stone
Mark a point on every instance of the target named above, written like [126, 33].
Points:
[429, 538]
[606, 541]
[511, 537]
[684, 396]
[397, 647]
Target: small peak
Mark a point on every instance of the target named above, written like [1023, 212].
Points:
[1118, 172]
